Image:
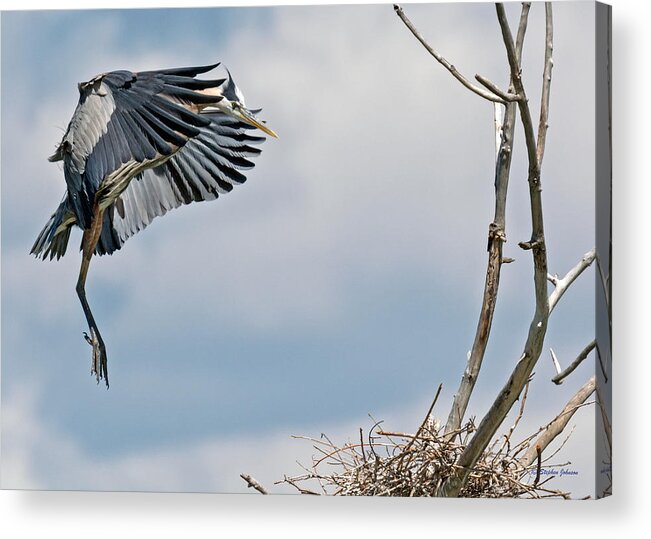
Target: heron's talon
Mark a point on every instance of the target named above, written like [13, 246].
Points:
[99, 359]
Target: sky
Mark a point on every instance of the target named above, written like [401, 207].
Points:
[344, 278]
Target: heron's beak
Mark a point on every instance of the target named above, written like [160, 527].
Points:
[248, 117]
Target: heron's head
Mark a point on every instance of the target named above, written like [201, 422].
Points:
[233, 105]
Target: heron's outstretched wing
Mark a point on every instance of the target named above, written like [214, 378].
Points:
[125, 122]
[207, 166]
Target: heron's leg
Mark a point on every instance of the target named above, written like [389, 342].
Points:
[89, 240]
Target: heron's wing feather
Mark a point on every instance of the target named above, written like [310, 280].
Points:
[52, 241]
[127, 119]
[208, 165]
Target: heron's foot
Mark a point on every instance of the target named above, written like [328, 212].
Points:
[99, 364]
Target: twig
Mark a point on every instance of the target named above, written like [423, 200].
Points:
[558, 379]
[453, 70]
[429, 412]
[405, 435]
[538, 466]
[523, 401]
[422, 425]
[252, 483]
[567, 437]
[556, 426]
[302, 490]
[496, 90]
[604, 418]
[522, 28]
[557, 365]
[561, 285]
[547, 81]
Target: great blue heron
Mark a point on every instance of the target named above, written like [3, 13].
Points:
[138, 145]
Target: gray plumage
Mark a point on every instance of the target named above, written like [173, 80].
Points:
[139, 145]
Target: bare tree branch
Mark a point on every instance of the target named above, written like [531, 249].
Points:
[506, 96]
[453, 70]
[605, 419]
[496, 239]
[252, 483]
[523, 103]
[547, 81]
[555, 427]
[498, 120]
[538, 327]
[561, 285]
[605, 283]
[522, 29]
[558, 379]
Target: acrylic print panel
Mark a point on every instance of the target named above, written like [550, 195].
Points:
[346, 276]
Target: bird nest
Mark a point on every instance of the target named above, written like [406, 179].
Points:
[385, 463]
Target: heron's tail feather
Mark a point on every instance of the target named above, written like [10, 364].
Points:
[53, 239]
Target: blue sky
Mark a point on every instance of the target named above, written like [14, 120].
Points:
[343, 278]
